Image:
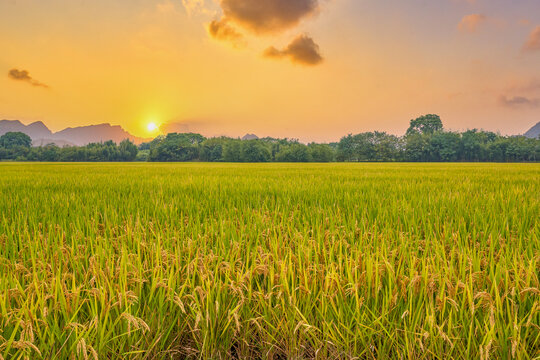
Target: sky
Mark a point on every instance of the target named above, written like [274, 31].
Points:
[315, 70]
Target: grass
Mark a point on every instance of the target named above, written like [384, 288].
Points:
[218, 261]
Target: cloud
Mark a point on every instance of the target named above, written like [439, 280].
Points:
[302, 50]
[166, 7]
[221, 30]
[533, 43]
[194, 6]
[525, 93]
[23, 75]
[268, 16]
[519, 102]
[524, 86]
[471, 23]
[264, 18]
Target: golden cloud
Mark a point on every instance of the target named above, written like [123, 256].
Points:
[268, 16]
[302, 50]
[221, 30]
[24, 75]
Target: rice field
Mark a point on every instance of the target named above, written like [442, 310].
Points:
[269, 261]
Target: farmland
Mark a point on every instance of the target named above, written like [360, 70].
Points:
[339, 261]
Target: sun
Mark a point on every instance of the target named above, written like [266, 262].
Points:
[151, 127]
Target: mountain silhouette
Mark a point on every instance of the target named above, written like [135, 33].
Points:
[250, 137]
[533, 132]
[80, 136]
[35, 130]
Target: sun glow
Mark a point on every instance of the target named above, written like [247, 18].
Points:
[151, 127]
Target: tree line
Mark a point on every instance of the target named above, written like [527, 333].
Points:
[17, 146]
[425, 141]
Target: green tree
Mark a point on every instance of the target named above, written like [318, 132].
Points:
[345, 149]
[49, 153]
[369, 146]
[294, 153]
[427, 124]
[11, 140]
[475, 145]
[211, 150]
[255, 151]
[321, 152]
[73, 153]
[445, 146]
[232, 151]
[127, 151]
[143, 155]
[417, 147]
[176, 147]
[521, 148]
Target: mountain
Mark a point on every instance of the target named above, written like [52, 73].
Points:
[250, 137]
[35, 130]
[38, 130]
[533, 132]
[83, 135]
[80, 136]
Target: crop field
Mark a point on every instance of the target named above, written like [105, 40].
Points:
[269, 261]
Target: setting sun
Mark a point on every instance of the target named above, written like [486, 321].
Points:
[151, 127]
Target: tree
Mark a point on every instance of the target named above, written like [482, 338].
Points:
[143, 155]
[475, 144]
[176, 147]
[521, 148]
[321, 152]
[73, 153]
[294, 153]
[232, 151]
[385, 146]
[445, 146]
[345, 149]
[127, 151]
[11, 140]
[49, 153]
[255, 151]
[417, 147]
[211, 150]
[427, 124]
[192, 138]
[369, 146]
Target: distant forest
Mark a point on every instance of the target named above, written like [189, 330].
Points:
[424, 141]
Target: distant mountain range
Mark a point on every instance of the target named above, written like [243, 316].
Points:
[80, 136]
[533, 132]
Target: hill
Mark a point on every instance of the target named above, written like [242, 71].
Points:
[250, 137]
[533, 132]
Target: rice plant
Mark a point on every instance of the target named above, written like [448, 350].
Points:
[273, 261]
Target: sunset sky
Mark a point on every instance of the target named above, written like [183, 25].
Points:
[307, 69]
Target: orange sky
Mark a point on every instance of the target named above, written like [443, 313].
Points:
[308, 69]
